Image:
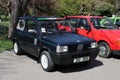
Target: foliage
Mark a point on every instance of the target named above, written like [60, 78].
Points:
[2, 11]
[68, 7]
[3, 29]
[91, 7]
[5, 44]
[42, 7]
[104, 9]
[110, 1]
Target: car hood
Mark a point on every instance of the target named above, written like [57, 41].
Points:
[67, 38]
[112, 34]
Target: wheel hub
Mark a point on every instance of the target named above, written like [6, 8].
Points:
[102, 50]
[44, 61]
[15, 47]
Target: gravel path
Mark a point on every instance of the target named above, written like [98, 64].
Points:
[25, 67]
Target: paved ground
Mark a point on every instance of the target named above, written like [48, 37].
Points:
[24, 67]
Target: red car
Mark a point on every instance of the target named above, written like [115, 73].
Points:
[108, 37]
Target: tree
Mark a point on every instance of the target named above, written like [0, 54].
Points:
[68, 7]
[43, 7]
[103, 9]
[17, 8]
[89, 7]
[117, 12]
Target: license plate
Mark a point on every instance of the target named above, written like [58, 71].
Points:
[81, 59]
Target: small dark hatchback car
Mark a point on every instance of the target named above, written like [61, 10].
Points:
[41, 37]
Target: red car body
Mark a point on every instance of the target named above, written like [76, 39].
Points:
[110, 37]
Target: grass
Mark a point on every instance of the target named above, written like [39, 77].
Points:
[5, 44]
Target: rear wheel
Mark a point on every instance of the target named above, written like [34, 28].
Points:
[105, 51]
[46, 61]
[17, 49]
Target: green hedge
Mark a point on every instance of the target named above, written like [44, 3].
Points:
[5, 44]
[3, 29]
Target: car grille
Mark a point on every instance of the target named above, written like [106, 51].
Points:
[79, 47]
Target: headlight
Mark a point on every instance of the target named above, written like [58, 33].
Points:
[94, 45]
[61, 48]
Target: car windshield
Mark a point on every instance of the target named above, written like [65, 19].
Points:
[103, 23]
[54, 26]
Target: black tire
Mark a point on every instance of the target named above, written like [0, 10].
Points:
[49, 64]
[17, 49]
[105, 51]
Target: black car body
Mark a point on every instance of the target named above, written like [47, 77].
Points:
[40, 36]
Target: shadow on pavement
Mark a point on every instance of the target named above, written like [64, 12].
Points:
[73, 68]
[79, 67]
[30, 56]
[116, 56]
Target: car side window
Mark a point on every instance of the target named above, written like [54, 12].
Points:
[21, 25]
[73, 22]
[48, 27]
[118, 21]
[31, 27]
[108, 23]
[83, 24]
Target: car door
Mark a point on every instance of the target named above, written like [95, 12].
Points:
[31, 37]
[20, 32]
[84, 27]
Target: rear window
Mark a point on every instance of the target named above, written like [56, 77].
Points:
[21, 25]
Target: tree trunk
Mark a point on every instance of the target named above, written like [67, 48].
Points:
[14, 16]
[117, 5]
[18, 9]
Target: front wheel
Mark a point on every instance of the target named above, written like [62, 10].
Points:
[46, 61]
[17, 48]
[105, 51]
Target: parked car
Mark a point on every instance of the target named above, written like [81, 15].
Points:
[107, 37]
[40, 37]
[113, 20]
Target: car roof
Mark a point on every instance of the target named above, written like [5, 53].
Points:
[42, 18]
[113, 17]
[83, 16]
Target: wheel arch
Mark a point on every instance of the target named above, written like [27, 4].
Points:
[14, 39]
[41, 50]
[103, 41]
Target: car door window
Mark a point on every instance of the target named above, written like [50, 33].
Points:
[73, 22]
[31, 27]
[83, 24]
[108, 24]
[118, 21]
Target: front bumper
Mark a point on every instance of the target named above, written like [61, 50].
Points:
[67, 58]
